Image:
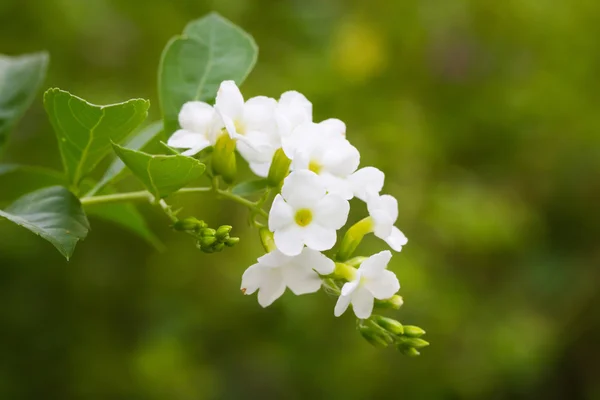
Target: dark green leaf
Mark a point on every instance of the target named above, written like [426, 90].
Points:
[251, 187]
[117, 170]
[20, 79]
[193, 65]
[85, 131]
[53, 213]
[161, 174]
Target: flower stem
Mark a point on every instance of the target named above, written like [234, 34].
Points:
[142, 195]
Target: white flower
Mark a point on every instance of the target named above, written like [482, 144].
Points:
[275, 271]
[365, 182]
[251, 123]
[384, 213]
[372, 281]
[323, 149]
[199, 125]
[292, 110]
[304, 214]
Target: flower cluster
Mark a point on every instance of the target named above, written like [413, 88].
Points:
[313, 170]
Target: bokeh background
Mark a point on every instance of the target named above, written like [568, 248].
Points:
[484, 116]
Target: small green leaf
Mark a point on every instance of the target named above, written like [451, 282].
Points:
[20, 79]
[85, 131]
[53, 213]
[128, 217]
[251, 187]
[117, 170]
[161, 174]
[193, 65]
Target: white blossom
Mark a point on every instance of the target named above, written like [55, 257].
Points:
[275, 271]
[305, 214]
[384, 213]
[199, 126]
[371, 281]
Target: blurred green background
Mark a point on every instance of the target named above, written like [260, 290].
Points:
[484, 116]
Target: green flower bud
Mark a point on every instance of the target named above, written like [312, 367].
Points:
[207, 249]
[266, 238]
[223, 232]
[390, 325]
[353, 237]
[409, 351]
[413, 331]
[219, 246]
[232, 241]
[373, 337]
[394, 302]
[414, 342]
[279, 168]
[207, 241]
[223, 158]
[207, 232]
[187, 224]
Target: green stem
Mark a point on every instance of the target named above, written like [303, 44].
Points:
[250, 204]
[142, 195]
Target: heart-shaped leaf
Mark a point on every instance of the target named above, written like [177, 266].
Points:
[193, 65]
[53, 213]
[117, 169]
[85, 130]
[161, 174]
[20, 79]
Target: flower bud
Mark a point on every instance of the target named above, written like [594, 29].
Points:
[223, 158]
[372, 337]
[232, 241]
[223, 232]
[413, 331]
[207, 241]
[187, 224]
[409, 351]
[353, 237]
[394, 302]
[219, 246]
[414, 342]
[266, 238]
[207, 232]
[390, 325]
[279, 168]
[207, 249]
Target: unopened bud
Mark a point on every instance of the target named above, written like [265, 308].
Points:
[187, 224]
[372, 337]
[353, 237]
[207, 241]
[207, 249]
[279, 168]
[207, 232]
[409, 351]
[413, 331]
[223, 231]
[223, 158]
[390, 325]
[266, 238]
[232, 241]
[394, 302]
[417, 343]
[219, 246]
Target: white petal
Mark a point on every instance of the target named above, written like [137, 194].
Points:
[342, 305]
[252, 278]
[183, 139]
[229, 101]
[390, 205]
[303, 138]
[274, 259]
[319, 238]
[333, 126]
[350, 287]
[396, 239]
[374, 265]
[259, 115]
[315, 260]
[301, 280]
[261, 169]
[382, 223]
[302, 189]
[362, 303]
[196, 116]
[256, 147]
[331, 211]
[271, 289]
[367, 180]
[294, 108]
[281, 214]
[289, 240]
[340, 158]
[384, 286]
[336, 185]
[193, 151]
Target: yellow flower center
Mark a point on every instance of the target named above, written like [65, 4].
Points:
[303, 217]
[314, 166]
[240, 128]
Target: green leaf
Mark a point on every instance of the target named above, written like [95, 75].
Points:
[53, 213]
[117, 170]
[128, 217]
[250, 187]
[85, 131]
[20, 79]
[193, 65]
[161, 174]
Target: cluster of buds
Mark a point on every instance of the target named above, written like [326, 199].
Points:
[209, 240]
[382, 332]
